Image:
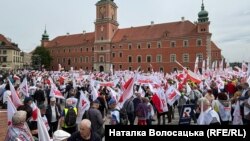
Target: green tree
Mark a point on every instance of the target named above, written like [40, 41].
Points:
[41, 58]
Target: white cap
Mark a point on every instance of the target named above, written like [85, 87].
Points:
[60, 135]
[52, 99]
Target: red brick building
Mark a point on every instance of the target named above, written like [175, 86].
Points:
[158, 45]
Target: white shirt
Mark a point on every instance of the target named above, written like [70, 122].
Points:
[6, 94]
[207, 117]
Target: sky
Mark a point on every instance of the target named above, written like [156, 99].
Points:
[24, 21]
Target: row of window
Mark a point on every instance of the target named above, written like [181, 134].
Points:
[149, 45]
[159, 44]
[185, 57]
[3, 51]
[69, 50]
[75, 60]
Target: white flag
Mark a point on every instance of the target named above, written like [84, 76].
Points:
[24, 87]
[43, 133]
[83, 106]
[15, 99]
[11, 109]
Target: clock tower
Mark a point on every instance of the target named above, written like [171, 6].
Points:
[105, 27]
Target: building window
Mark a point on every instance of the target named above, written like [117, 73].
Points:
[69, 62]
[4, 59]
[172, 57]
[113, 46]
[93, 59]
[185, 43]
[149, 45]
[75, 60]
[58, 60]
[101, 48]
[86, 59]
[101, 59]
[161, 69]
[174, 69]
[129, 68]
[113, 54]
[159, 58]
[120, 54]
[159, 44]
[198, 42]
[81, 49]
[200, 57]
[185, 57]
[172, 44]
[139, 59]
[139, 46]
[101, 38]
[69, 51]
[120, 46]
[120, 66]
[87, 49]
[130, 59]
[93, 48]
[4, 51]
[149, 59]
[64, 60]
[81, 59]
[64, 50]
[129, 46]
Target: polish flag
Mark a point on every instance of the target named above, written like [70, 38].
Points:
[193, 77]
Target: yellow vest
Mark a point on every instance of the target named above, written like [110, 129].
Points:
[65, 113]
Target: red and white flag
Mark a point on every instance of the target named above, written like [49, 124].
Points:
[42, 130]
[54, 92]
[24, 87]
[83, 106]
[172, 95]
[11, 109]
[128, 92]
[196, 65]
[15, 99]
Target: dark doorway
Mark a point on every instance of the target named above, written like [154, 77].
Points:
[101, 68]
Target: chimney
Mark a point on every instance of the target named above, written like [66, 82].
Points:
[182, 19]
[84, 31]
[67, 33]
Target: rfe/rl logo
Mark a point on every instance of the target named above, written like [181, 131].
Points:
[186, 112]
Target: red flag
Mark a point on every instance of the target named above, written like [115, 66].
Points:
[157, 103]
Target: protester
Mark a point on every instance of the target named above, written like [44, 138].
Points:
[18, 130]
[85, 133]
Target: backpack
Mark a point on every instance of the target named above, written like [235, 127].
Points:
[70, 118]
[123, 116]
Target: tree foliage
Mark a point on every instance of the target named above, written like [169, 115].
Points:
[41, 58]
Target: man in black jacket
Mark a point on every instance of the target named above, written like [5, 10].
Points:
[85, 133]
[53, 114]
